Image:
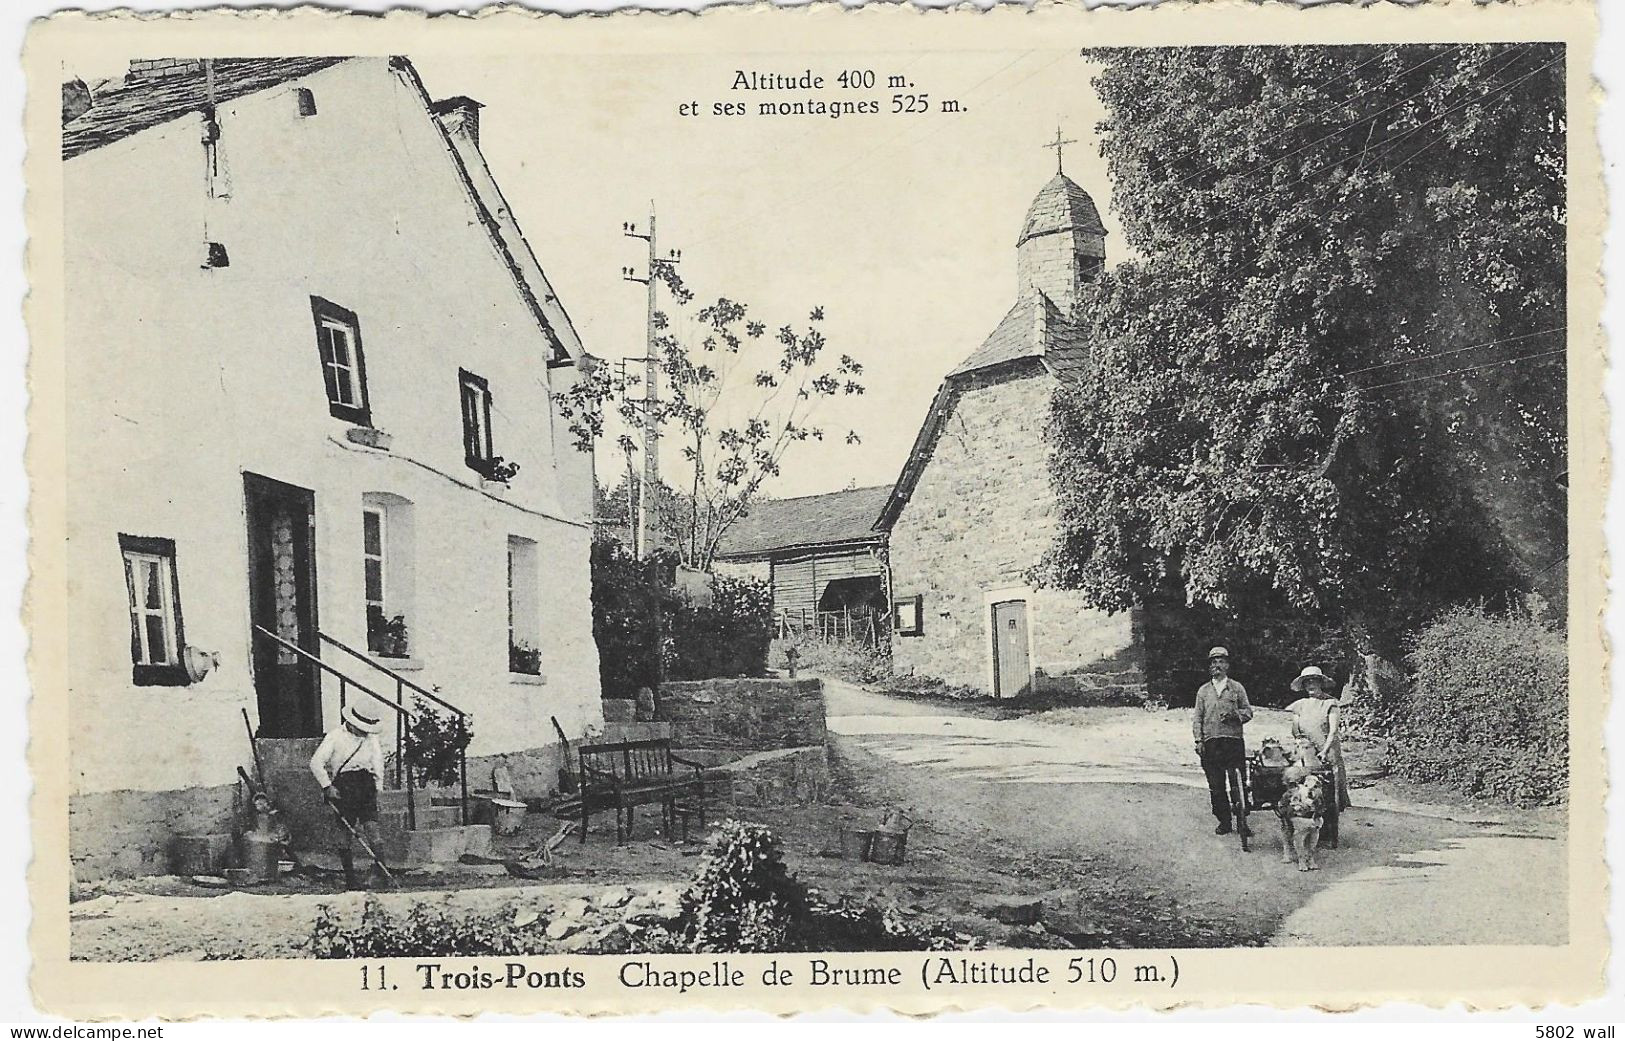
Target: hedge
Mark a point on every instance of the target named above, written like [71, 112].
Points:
[1488, 709]
[647, 629]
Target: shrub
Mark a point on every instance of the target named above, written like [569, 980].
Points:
[628, 596]
[848, 660]
[743, 899]
[1488, 706]
[422, 932]
[729, 636]
[438, 741]
[646, 628]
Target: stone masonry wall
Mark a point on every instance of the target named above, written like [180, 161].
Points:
[128, 833]
[743, 715]
[981, 517]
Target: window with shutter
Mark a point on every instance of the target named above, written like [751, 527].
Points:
[157, 640]
[344, 374]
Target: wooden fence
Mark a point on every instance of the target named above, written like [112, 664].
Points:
[854, 625]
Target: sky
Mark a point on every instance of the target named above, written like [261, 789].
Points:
[901, 227]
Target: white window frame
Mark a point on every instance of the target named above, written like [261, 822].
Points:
[382, 556]
[165, 612]
[352, 376]
[524, 603]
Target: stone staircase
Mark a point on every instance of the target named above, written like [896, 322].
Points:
[439, 838]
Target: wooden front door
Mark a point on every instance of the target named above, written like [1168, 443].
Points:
[282, 600]
[1012, 667]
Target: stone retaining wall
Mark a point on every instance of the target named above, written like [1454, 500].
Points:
[782, 777]
[744, 715]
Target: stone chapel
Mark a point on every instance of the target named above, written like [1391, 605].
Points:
[974, 510]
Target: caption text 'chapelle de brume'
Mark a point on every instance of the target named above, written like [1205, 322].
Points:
[932, 972]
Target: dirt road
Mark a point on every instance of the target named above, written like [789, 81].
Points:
[1120, 789]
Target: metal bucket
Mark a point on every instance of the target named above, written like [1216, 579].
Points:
[855, 842]
[259, 855]
[887, 847]
[199, 854]
[507, 815]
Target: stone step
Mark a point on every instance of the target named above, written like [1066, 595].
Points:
[427, 817]
[395, 798]
[426, 846]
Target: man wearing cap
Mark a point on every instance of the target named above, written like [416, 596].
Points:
[347, 766]
[1221, 711]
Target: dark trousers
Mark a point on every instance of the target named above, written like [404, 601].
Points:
[1219, 755]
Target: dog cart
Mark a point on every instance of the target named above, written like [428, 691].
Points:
[1264, 784]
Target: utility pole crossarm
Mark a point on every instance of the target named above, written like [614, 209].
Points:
[650, 481]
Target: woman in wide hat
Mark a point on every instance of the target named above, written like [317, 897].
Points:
[1315, 722]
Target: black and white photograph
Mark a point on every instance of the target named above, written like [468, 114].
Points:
[1034, 513]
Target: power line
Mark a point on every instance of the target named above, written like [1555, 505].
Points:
[1204, 224]
[1325, 377]
[1457, 350]
[1319, 86]
[1470, 368]
[1346, 127]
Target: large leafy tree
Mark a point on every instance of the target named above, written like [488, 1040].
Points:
[1330, 380]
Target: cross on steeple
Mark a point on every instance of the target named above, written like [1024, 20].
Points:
[1058, 144]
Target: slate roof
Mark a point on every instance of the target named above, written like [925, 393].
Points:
[1061, 206]
[1033, 328]
[810, 520]
[133, 106]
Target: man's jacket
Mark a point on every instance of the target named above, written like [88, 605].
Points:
[1220, 711]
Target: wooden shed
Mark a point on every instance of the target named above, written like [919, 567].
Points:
[824, 558]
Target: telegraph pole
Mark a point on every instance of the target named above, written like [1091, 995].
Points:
[649, 488]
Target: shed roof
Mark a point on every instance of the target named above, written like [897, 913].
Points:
[809, 520]
[134, 105]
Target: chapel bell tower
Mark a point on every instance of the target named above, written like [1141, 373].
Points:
[1062, 246]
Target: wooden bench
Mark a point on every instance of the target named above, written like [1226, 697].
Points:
[624, 775]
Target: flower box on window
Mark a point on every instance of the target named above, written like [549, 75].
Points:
[387, 637]
[524, 659]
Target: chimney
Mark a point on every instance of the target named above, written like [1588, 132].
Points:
[144, 70]
[460, 116]
[76, 100]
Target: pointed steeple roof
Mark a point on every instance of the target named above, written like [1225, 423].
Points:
[1061, 206]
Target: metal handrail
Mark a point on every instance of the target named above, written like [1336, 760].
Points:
[392, 674]
[314, 660]
[403, 735]
[401, 684]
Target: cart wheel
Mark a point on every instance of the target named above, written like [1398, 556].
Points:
[1238, 805]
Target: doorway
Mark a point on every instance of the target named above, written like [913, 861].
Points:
[282, 600]
[1012, 664]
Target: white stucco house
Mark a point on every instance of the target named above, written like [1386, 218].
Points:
[306, 343]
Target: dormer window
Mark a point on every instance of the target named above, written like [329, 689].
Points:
[306, 101]
[344, 371]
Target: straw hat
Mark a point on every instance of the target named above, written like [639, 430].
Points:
[367, 722]
[1311, 672]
